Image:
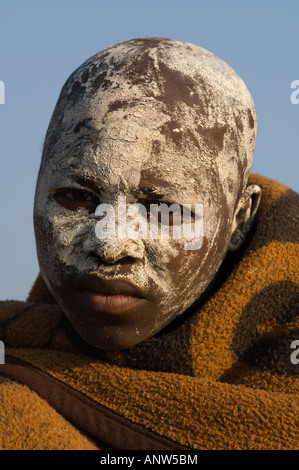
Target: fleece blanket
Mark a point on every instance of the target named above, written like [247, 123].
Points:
[220, 377]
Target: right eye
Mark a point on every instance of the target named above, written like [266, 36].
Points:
[73, 199]
[164, 205]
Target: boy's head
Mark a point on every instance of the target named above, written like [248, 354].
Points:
[157, 121]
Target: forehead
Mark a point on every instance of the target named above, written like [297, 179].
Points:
[146, 113]
[128, 154]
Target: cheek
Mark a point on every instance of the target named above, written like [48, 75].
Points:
[192, 271]
[59, 238]
[153, 271]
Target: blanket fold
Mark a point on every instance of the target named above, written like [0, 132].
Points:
[220, 377]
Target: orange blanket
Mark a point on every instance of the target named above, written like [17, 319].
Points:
[219, 378]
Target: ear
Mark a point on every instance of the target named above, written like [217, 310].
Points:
[244, 215]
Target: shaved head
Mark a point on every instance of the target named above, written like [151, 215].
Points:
[158, 121]
[186, 101]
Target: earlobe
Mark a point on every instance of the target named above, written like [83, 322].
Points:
[244, 216]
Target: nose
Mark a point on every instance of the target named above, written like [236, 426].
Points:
[113, 250]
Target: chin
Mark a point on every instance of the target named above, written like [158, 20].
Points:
[116, 339]
[112, 344]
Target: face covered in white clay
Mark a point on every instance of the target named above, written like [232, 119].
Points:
[156, 121]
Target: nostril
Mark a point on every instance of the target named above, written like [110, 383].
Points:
[125, 260]
[112, 250]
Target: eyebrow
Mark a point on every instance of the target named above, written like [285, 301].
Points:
[85, 123]
[149, 189]
[87, 183]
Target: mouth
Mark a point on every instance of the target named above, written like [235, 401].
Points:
[110, 295]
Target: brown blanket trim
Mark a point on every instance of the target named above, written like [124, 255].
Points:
[95, 420]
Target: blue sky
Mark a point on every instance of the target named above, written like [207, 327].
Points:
[42, 42]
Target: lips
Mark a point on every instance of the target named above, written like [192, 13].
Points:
[109, 295]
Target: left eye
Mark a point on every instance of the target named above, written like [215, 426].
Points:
[73, 199]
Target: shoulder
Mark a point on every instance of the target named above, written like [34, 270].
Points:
[27, 422]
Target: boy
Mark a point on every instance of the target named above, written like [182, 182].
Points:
[138, 342]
